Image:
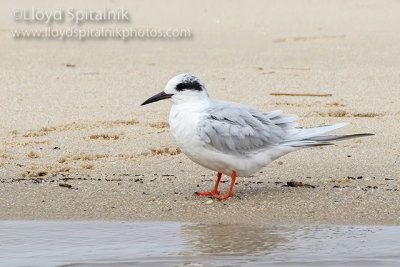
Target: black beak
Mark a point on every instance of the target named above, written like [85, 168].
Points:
[157, 97]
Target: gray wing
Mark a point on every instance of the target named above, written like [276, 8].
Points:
[234, 128]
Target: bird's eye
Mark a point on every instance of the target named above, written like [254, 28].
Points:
[181, 86]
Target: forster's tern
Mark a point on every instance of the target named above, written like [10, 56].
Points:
[232, 138]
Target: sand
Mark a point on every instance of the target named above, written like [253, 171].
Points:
[76, 144]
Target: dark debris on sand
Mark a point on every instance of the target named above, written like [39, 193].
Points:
[294, 183]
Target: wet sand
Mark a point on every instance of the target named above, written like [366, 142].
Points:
[75, 143]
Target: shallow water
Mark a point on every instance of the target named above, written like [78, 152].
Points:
[115, 243]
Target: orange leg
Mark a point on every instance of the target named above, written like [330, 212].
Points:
[230, 193]
[215, 190]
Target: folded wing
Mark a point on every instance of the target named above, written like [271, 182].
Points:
[240, 129]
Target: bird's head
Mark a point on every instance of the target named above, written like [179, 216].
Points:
[181, 88]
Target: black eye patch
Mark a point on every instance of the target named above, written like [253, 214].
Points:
[181, 86]
[189, 85]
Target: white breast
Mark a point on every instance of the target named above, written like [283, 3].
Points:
[183, 121]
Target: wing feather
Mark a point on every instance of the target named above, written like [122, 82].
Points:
[233, 128]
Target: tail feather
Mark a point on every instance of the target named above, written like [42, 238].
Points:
[308, 132]
[338, 137]
[311, 136]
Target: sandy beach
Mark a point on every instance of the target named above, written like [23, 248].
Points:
[76, 144]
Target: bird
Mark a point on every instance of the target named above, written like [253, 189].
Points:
[231, 138]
